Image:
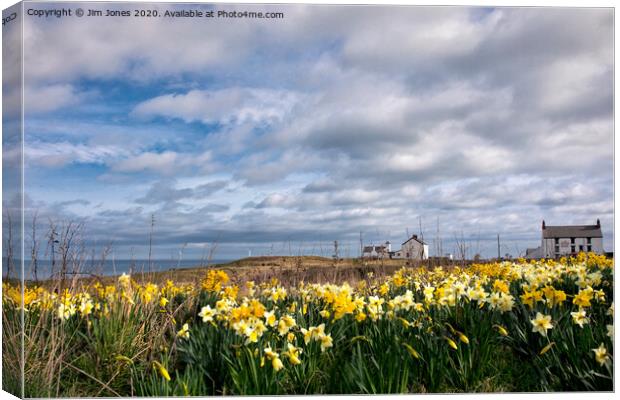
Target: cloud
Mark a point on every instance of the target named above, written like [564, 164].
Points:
[159, 162]
[332, 121]
[52, 97]
[166, 163]
[62, 153]
[165, 191]
[226, 106]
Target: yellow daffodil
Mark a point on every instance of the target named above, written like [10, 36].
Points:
[326, 342]
[270, 318]
[184, 332]
[411, 351]
[502, 331]
[579, 317]
[546, 348]
[207, 313]
[274, 357]
[541, 324]
[600, 354]
[582, 299]
[293, 354]
[463, 338]
[124, 280]
[162, 370]
[86, 307]
[451, 342]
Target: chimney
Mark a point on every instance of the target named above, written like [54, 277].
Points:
[415, 236]
[544, 226]
[598, 223]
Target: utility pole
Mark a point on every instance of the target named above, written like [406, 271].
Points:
[53, 241]
[420, 222]
[336, 250]
[498, 251]
[361, 246]
[151, 240]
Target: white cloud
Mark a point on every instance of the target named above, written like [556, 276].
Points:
[157, 162]
[166, 163]
[226, 106]
[62, 153]
[51, 97]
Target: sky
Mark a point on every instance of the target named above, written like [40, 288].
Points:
[279, 136]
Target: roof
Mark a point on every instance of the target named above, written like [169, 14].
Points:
[370, 249]
[414, 237]
[581, 231]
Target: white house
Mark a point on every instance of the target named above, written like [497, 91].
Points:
[412, 249]
[380, 251]
[558, 241]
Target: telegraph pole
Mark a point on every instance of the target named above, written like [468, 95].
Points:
[498, 251]
[361, 246]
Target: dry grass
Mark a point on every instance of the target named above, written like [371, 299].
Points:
[288, 270]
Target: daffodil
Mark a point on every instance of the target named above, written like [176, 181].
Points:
[502, 331]
[207, 313]
[463, 338]
[124, 280]
[274, 357]
[506, 302]
[184, 332]
[579, 317]
[451, 342]
[307, 335]
[582, 299]
[546, 348]
[285, 323]
[162, 370]
[500, 286]
[541, 324]
[600, 354]
[65, 311]
[293, 354]
[411, 351]
[86, 306]
[428, 294]
[326, 342]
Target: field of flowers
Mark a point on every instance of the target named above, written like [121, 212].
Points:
[511, 326]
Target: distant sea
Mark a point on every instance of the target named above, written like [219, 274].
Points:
[110, 267]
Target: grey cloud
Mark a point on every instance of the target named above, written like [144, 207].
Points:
[214, 208]
[165, 191]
